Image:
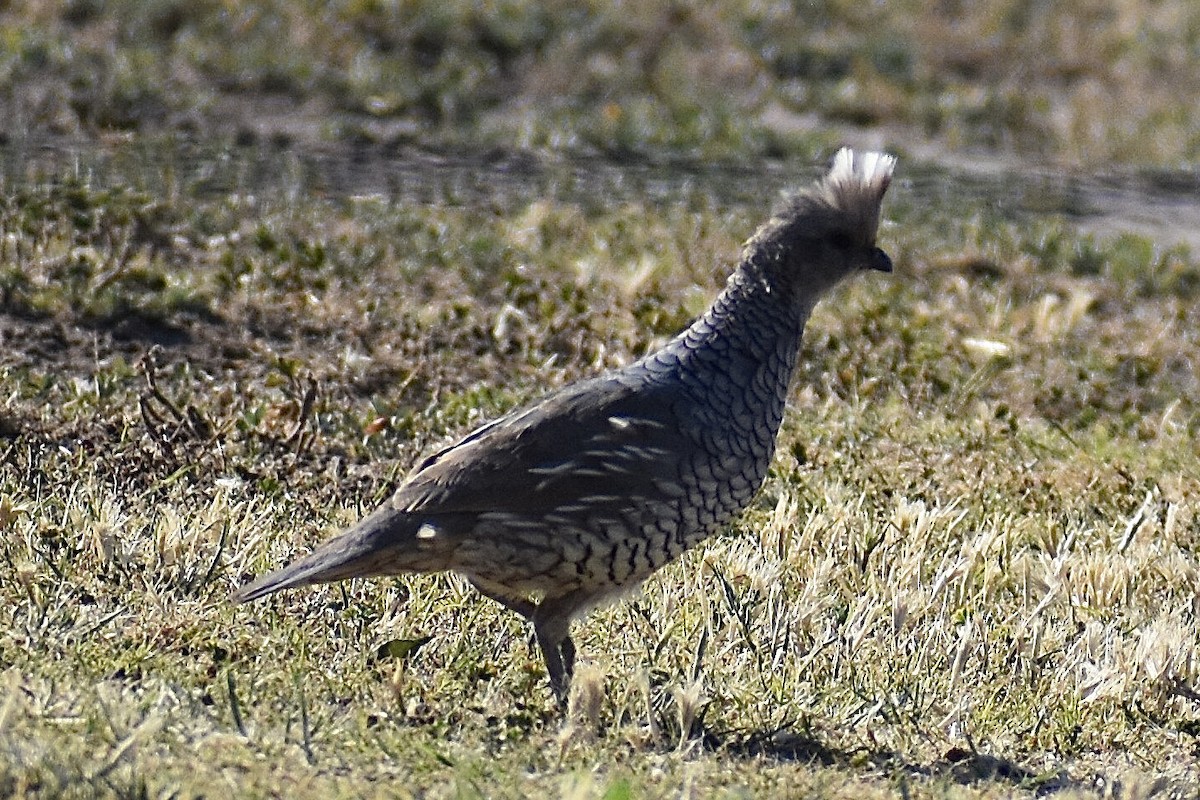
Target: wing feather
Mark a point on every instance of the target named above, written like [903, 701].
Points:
[598, 438]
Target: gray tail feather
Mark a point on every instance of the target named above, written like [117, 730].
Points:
[374, 546]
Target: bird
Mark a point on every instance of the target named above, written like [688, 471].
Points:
[574, 500]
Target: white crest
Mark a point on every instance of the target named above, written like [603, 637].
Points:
[848, 196]
[855, 185]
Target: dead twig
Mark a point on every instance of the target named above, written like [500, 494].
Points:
[167, 431]
[296, 439]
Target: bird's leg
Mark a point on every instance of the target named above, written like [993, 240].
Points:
[552, 624]
[552, 627]
[558, 651]
[567, 648]
[559, 655]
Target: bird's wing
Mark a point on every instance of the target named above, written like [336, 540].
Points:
[594, 439]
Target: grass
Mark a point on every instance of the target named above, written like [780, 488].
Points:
[1035, 81]
[971, 571]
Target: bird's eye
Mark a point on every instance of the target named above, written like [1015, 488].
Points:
[841, 240]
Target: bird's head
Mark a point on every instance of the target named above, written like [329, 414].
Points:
[824, 233]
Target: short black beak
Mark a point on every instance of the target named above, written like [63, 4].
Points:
[880, 261]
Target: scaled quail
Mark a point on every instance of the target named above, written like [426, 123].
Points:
[554, 507]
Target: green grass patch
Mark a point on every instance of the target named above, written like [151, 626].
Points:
[971, 571]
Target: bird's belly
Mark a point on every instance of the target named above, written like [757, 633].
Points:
[560, 553]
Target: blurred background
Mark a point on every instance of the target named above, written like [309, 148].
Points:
[1085, 83]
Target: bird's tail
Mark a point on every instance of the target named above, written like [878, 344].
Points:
[382, 543]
